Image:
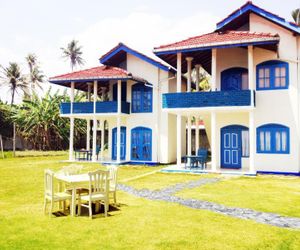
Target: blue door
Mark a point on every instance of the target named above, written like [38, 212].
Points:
[122, 146]
[141, 144]
[231, 150]
[234, 79]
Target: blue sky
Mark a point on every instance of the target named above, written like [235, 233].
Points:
[42, 27]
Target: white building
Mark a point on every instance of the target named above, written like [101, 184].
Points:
[251, 114]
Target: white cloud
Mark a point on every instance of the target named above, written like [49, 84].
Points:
[140, 30]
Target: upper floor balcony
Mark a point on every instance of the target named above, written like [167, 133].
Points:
[186, 100]
[87, 108]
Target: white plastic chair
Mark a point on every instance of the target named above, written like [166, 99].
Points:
[113, 174]
[98, 191]
[50, 195]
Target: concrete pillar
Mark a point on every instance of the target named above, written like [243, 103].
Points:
[178, 138]
[178, 84]
[95, 95]
[213, 69]
[251, 72]
[89, 91]
[189, 73]
[189, 136]
[88, 134]
[71, 145]
[72, 97]
[197, 135]
[71, 138]
[213, 142]
[94, 157]
[102, 138]
[197, 68]
[251, 142]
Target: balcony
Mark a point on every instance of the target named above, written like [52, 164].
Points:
[239, 98]
[88, 107]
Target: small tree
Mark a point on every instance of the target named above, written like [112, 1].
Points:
[73, 53]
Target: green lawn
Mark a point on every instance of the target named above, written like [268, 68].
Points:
[277, 194]
[138, 224]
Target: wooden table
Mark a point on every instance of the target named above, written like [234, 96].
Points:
[74, 182]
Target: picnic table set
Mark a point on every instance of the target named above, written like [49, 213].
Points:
[72, 184]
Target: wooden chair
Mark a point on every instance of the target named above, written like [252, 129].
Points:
[50, 194]
[98, 191]
[90, 154]
[113, 171]
[203, 156]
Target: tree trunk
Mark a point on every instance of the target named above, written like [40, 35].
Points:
[14, 126]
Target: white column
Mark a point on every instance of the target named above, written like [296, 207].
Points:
[88, 134]
[178, 84]
[189, 73]
[71, 141]
[213, 69]
[71, 145]
[251, 142]
[89, 91]
[197, 68]
[213, 142]
[197, 135]
[251, 72]
[94, 157]
[189, 139]
[95, 95]
[72, 96]
[119, 96]
[102, 138]
[178, 138]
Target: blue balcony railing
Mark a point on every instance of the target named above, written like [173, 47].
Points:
[208, 99]
[88, 107]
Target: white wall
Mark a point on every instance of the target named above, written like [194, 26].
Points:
[278, 106]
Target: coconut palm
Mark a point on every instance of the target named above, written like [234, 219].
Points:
[73, 53]
[12, 78]
[296, 16]
[35, 77]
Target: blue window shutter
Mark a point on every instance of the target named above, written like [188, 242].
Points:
[271, 66]
[279, 136]
[141, 98]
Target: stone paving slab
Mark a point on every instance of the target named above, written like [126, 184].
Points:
[167, 194]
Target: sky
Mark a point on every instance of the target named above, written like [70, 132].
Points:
[42, 27]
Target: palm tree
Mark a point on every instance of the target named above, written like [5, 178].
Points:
[296, 16]
[15, 81]
[73, 53]
[36, 76]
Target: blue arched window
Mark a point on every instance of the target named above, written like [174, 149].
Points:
[273, 139]
[234, 79]
[141, 144]
[272, 75]
[141, 98]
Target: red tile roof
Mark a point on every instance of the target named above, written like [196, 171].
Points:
[218, 38]
[96, 73]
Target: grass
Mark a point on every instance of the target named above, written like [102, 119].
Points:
[264, 193]
[138, 224]
[32, 153]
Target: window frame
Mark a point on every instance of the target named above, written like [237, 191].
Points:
[272, 128]
[271, 66]
[140, 102]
